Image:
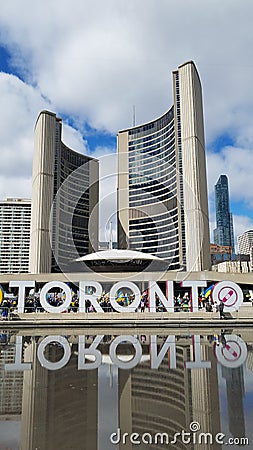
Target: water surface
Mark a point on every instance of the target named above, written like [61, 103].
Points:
[70, 390]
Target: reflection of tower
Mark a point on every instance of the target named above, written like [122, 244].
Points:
[235, 393]
[166, 400]
[205, 397]
[160, 398]
[250, 359]
[155, 400]
[107, 396]
[59, 407]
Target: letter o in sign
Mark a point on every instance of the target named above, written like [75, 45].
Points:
[229, 293]
[65, 304]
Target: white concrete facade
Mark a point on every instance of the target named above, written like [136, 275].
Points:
[42, 193]
[193, 169]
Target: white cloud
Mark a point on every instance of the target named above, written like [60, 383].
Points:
[13, 186]
[95, 59]
[74, 139]
[20, 106]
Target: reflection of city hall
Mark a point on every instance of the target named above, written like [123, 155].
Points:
[67, 408]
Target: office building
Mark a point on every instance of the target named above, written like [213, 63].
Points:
[245, 245]
[224, 232]
[15, 222]
[64, 200]
[220, 249]
[162, 189]
[220, 253]
[240, 264]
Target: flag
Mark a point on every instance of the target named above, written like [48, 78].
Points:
[1, 294]
[208, 291]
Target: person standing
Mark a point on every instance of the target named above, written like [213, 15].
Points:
[142, 305]
[221, 310]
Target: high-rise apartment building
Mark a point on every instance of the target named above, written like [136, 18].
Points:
[224, 232]
[162, 189]
[15, 222]
[64, 200]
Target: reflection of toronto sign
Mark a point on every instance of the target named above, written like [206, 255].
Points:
[231, 353]
[226, 291]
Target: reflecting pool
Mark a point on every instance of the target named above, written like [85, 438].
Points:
[101, 391]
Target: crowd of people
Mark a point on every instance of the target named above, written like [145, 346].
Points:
[182, 302]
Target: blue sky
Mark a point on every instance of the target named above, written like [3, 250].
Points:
[4, 60]
[91, 61]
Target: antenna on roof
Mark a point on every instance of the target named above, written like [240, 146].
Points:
[133, 115]
[110, 237]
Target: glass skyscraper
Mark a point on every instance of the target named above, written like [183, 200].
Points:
[224, 231]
